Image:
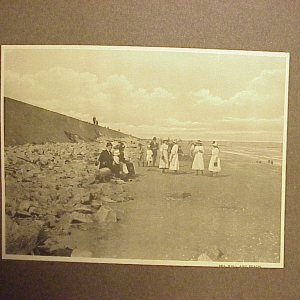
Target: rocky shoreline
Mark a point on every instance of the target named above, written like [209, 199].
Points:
[51, 188]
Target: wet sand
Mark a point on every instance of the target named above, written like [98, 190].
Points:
[237, 212]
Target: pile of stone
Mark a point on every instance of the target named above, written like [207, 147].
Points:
[51, 187]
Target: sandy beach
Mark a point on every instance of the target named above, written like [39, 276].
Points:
[234, 217]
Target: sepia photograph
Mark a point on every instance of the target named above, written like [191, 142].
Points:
[144, 155]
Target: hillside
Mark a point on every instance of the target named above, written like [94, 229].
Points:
[25, 123]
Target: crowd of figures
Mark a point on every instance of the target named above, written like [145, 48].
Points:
[113, 159]
[167, 152]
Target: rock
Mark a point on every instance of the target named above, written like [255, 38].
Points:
[83, 210]
[21, 214]
[107, 199]
[185, 195]
[77, 217]
[91, 180]
[117, 181]
[105, 215]
[60, 250]
[111, 189]
[212, 252]
[103, 174]
[36, 211]
[24, 205]
[204, 257]
[64, 230]
[22, 239]
[81, 253]
[86, 199]
[51, 221]
[96, 204]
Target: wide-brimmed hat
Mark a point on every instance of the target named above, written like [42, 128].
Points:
[198, 142]
[215, 144]
[116, 152]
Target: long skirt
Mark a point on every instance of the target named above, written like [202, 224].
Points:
[164, 160]
[198, 163]
[214, 164]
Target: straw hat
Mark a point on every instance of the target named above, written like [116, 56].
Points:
[116, 152]
[215, 144]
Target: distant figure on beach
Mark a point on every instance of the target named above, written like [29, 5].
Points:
[164, 156]
[174, 160]
[180, 152]
[94, 119]
[215, 163]
[170, 146]
[154, 147]
[192, 150]
[97, 122]
[149, 156]
[198, 162]
[141, 155]
[106, 158]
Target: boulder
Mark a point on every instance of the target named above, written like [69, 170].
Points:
[103, 174]
[22, 239]
[24, 205]
[96, 204]
[77, 217]
[86, 199]
[59, 250]
[21, 214]
[105, 214]
[107, 199]
[204, 257]
[212, 252]
[83, 209]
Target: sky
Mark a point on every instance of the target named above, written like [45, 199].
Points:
[163, 92]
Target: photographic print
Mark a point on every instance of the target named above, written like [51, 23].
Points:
[136, 155]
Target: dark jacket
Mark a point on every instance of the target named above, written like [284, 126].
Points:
[106, 160]
[154, 146]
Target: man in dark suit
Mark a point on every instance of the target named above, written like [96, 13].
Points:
[154, 147]
[106, 158]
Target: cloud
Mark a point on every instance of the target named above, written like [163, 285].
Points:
[157, 111]
[263, 98]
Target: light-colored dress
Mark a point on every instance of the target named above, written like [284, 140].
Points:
[198, 162]
[174, 161]
[164, 157]
[192, 150]
[215, 158]
[149, 157]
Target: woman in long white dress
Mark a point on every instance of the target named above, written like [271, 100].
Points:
[164, 156]
[174, 161]
[215, 163]
[198, 162]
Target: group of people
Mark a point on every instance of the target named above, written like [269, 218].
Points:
[169, 154]
[113, 158]
[196, 153]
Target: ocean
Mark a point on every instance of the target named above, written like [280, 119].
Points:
[256, 151]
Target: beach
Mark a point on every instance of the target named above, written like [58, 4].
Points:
[234, 217]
